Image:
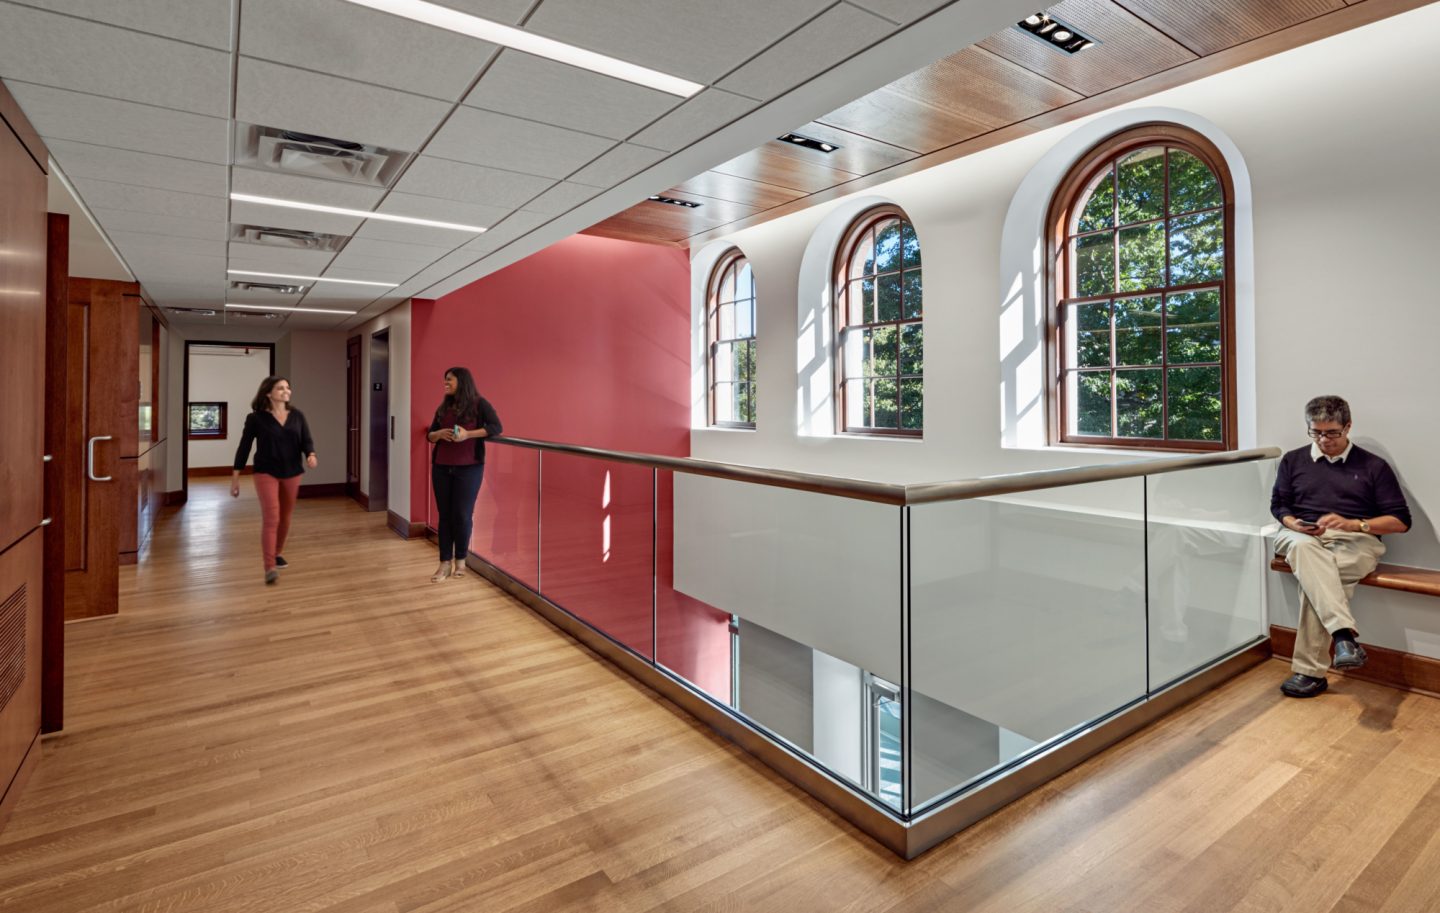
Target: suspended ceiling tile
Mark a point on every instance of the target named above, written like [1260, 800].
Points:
[699, 116]
[167, 292]
[437, 177]
[1209, 27]
[554, 93]
[353, 42]
[323, 294]
[618, 164]
[510, 143]
[108, 195]
[69, 53]
[1129, 49]
[770, 164]
[140, 242]
[269, 299]
[700, 40]
[305, 190]
[269, 259]
[833, 36]
[854, 153]
[406, 204]
[366, 266]
[515, 225]
[59, 114]
[562, 198]
[204, 22]
[293, 99]
[442, 239]
[392, 250]
[280, 217]
[149, 223]
[901, 11]
[83, 160]
[737, 190]
[962, 96]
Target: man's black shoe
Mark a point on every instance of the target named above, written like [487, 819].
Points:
[1299, 685]
[1349, 655]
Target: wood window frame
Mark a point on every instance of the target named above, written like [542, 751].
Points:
[1067, 197]
[840, 284]
[732, 258]
[219, 435]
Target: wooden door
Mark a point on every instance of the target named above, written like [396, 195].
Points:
[103, 356]
[352, 416]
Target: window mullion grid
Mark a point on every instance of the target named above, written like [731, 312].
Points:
[1114, 374]
[1114, 169]
[1164, 308]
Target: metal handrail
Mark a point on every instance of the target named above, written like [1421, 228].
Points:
[903, 495]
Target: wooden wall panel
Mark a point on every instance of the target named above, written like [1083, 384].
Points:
[21, 596]
[57, 412]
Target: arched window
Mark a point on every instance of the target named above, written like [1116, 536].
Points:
[1142, 294]
[879, 310]
[730, 338]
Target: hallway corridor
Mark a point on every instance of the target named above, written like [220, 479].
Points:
[357, 739]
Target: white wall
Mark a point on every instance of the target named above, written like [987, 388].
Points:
[217, 376]
[1340, 162]
[397, 321]
[316, 370]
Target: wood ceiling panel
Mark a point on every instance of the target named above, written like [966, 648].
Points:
[1129, 48]
[735, 189]
[661, 221]
[773, 164]
[962, 96]
[1218, 24]
[855, 153]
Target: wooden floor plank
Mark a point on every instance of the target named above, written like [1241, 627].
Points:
[358, 740]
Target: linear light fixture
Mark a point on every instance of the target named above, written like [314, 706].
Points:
[247, 272]
[521, 40]
[1055, 33]
[270, 307]
[357, 213]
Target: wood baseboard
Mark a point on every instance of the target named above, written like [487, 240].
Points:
[17, 782]
[174, 498]
[406, 528]
[205, 472]
[362, 499]
[322, 490]
[1396, 668]
[129, 558]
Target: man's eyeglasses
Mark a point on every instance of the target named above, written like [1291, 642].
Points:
[1327, 435]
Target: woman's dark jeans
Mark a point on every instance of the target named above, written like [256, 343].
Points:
[455, 491]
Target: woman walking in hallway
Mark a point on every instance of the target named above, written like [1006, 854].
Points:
[462, 421]
[283, 450]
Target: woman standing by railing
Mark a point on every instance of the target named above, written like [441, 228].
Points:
[281, 438]
[462, 421]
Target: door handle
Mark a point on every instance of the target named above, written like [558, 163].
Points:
[90, 458]
[47, 521]
[48, 458]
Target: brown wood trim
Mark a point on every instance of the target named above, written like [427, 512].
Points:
[362, 499]
[406, 528]
[1384, 666]
[57, 411]
[173, 498]
[1420, 580]
[22, 776]
[202, 472]
[322, 490]
[24, 131]
[129, 558]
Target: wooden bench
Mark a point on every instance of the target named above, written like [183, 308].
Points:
[1390, 576]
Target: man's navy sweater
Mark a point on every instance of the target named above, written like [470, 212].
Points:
[1360, 488]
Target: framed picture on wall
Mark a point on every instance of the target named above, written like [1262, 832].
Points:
[206, 420]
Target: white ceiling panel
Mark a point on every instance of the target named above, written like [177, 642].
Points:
[328, 295]
[268, 259]
[562, 198]
[512, 227]
[114, 62]
[618, 164]
[509, 12]
[462, 213]
[906, 11]
[442, 239]
[150, 223]
[293, 99]
[350, 264]
[129, 197]
[392, 250]
[142, 169]
[141, 242]
[185, 291]
[204, 22]
[59, 114]
[305, 190]
[336, 37]
[700, 40]
[543, 90]
[280, 217]
[500, 141]
[269, 299]
[838, 33]
[436, 177]
[700, 115]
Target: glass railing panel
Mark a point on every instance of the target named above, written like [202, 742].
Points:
[801, 592]
[506, 531]
[695, 640]
[1027, 620]
[597, 537]
[1208, 556]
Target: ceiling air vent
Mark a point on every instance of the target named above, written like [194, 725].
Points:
[262, 315]
[279, 288]
[198, 312]
[307, 154]
[287, 238]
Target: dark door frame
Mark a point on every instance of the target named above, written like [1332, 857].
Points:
[354, 412]
[185, 401]
[380, 426]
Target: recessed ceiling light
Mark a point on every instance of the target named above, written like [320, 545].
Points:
[521, 40]
[257, 307]
[818, 145]
[246, 272]
[1057, 34]
[357, 213]
[671, 201]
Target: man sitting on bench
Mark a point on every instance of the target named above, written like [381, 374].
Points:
[1335, 501]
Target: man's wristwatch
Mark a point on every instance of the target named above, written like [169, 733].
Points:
[1364, 526]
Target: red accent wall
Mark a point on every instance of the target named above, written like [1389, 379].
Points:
[585, 342]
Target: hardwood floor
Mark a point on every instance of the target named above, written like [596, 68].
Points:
[356, 739]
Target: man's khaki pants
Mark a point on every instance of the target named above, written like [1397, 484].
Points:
[1328, 566]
